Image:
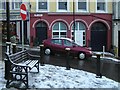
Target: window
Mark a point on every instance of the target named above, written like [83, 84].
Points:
[16, 4]
[82, 5]
[56, 41]
[62, 5]
[59, 30]
[67, 43]
[101, 5]
[2, 4]
[42, 5]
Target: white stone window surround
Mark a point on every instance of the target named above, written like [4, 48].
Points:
[82, 10]
[42, 10]
[57, 6]
[102, 11]
[2, 2]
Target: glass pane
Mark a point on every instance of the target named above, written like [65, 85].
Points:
[62, 33]
[62, 26]
[42, 5]
[63, 5]
[67, 43]
[55, 36]
[81, 26]
[63, 36]
[2, 4]
[55, 33]
[76, 26]
[56, 26]
[82, 5]
[101, 5]
[17, 5]
[83, 37]
[58, 42]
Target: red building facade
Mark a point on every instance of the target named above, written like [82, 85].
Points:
[90, 30]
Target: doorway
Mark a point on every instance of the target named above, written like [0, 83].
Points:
[98, 36]
[41, 33]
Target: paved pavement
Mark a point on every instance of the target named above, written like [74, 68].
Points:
[109, 69]
[105, 55]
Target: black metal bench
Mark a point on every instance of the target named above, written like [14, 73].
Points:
[18, 65]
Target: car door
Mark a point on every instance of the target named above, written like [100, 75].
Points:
[57, 45]
[67, 44]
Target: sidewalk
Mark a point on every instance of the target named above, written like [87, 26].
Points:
[107, 55]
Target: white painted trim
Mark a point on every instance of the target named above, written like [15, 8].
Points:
[1, 5]
[37, 10]
[80, 20]
[101, 11]
[68, 2]
[60, 20]
[99, 20]
[33, 26]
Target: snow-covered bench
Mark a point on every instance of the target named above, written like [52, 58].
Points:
[18, 65]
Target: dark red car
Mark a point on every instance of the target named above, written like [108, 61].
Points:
[57, 45]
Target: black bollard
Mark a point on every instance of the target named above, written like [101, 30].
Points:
[14, 48]
[98, 72]
[41, 55]
[67, 59]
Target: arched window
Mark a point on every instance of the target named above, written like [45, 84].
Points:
[59, 30]
[78, 33]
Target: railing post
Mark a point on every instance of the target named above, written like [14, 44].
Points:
[41, 55]
[98, 69]
[103, 51]
[67, 59]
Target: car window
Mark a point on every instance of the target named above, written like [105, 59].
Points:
[57, 41]
[67, 43]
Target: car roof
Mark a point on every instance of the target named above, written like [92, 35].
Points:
[64, 38]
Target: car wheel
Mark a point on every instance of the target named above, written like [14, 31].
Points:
[81, 56]
[47, 51]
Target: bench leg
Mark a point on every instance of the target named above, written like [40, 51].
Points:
[7, 84]
[38, 67]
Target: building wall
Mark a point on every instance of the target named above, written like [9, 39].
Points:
[53, 6]
[15, 16]
[116, 28]
[89, 18]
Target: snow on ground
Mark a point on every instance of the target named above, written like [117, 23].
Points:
[58, 77]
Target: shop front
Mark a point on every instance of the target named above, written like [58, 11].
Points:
[89, 30]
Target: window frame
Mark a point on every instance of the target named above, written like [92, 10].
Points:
[42, 10]
[101, 11]
[82, 10]
[59, 10]
[3, 2]
[14, 3]
[59, 31]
